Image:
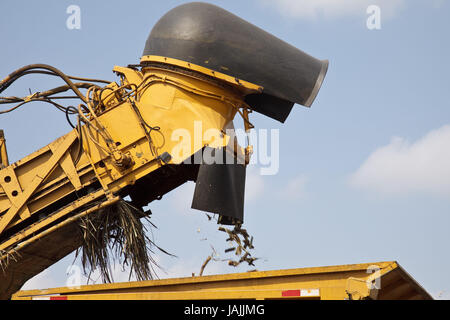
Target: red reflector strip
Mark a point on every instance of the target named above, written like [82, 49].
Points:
[58, 298]
[290, 293]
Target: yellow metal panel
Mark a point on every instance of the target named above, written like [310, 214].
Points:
[40, 224]
[11, 187]
[247, 86]
[22, 197]
[69, 169]
[326, 283]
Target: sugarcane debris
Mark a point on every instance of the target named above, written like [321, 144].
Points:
[230, 249]
[208, 259]
[242, 242]
[116, 233]
[7, 257]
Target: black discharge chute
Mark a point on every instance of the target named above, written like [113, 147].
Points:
[216, 39]
[220, 188]
[208, 36]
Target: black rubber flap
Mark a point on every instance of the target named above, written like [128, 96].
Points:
[220, 189]
[209, 36]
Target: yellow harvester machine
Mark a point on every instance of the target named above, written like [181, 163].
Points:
[154, 129]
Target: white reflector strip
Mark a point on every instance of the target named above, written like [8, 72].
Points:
[309, 293]
[40, 298]
[301, 293]
[58, 297]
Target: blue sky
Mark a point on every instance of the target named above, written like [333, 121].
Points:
[364, 174]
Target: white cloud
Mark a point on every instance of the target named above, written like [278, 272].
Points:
[402, 167]
[313, 9]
